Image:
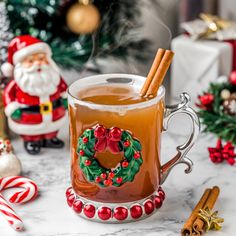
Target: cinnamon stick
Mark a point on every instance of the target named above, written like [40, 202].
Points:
[188, 226]
[160, 74]
[198, 225]
[155, 65]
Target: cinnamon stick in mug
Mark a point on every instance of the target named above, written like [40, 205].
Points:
[188, 226]
[155, 65]
[160, 73]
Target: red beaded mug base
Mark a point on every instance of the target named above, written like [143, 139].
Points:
[115, 212]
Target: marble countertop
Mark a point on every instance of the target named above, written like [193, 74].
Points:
[49, 214]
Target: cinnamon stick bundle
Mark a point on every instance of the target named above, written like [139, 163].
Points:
[194, 225]
[157, 73]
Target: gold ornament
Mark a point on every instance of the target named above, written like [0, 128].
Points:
[83, 17]
[225, 94]
[230, 105]
[211, 219]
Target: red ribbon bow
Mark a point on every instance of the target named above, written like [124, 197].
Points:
[221, 153]
[107, 138]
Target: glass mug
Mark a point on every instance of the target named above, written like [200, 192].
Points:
[116, 172]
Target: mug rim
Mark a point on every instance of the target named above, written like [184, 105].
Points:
[154, 100]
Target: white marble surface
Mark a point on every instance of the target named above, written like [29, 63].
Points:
[49, 215]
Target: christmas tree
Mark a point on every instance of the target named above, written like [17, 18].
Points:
[48, 20]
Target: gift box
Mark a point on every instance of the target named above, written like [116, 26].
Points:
[199, 62]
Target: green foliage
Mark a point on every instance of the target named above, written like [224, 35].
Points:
[46, 19]
[215, 120]
[95, 169]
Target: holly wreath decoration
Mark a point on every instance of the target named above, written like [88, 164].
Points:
[218, 114]
[116, 140]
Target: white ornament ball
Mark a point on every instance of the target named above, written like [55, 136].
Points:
[9, 165]
[225, 94]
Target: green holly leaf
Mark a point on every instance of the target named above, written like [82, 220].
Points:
[137, 145]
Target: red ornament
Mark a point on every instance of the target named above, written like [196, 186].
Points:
[107, 182]
[100, 131]
[68, 191]
[111, 175]
[103, 175]
[89, 210]
[136, 211]
[127, 143]
[206, 101]
[119, 180]
[149, 207]
[85, 139]
[120, 213]
[98, 179]
[162, 194]
[104, 213]
[158, 202]
[70, 199]
[136, 155]
[87, 162]
[115, 134]
[125, 164]
[232, 78]
[78, 206]
[81, 152]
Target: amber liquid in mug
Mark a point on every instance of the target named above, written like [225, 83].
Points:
[145, 124]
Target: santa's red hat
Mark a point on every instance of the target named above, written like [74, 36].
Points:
[20, 47]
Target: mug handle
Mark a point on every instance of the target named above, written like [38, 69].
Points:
[182, 150]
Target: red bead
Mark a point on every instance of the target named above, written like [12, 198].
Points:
[115, 134]
[231, 161]
[87, 162]
[99, 131]
[125, 164]
[81, 152]
[149, 207]
[158, 202]
[104, 213]
[162, 194]
[98, 179]
[207, 99]
[70, 199]
[136, 155]
[127, 143]
[107, 182]
[111, 175]
[119, 180]
[77, 206]
[232, 78]
[103, 175]
[89, 210]
[120, 213]
[85, 139]
[69, 191]
[136, 211]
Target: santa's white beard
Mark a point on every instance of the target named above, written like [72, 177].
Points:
[35, 83]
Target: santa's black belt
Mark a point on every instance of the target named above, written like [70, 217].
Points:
[43, 108]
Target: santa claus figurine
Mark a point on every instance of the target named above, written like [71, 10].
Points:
[35, 99]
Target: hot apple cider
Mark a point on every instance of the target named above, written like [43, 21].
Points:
[116, 172]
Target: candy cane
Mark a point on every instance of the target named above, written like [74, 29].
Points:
[29, 192]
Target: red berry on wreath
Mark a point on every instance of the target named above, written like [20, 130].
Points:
[111, 175]
[103, 175]
[98, 179]
[99, 131]
[85, 139]
[87, 162]
[119, 180]
[81, 152]
[127, 143]
[125, 164]
[107, 182]
[115, 134]
[136, 155]
[232, 78]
